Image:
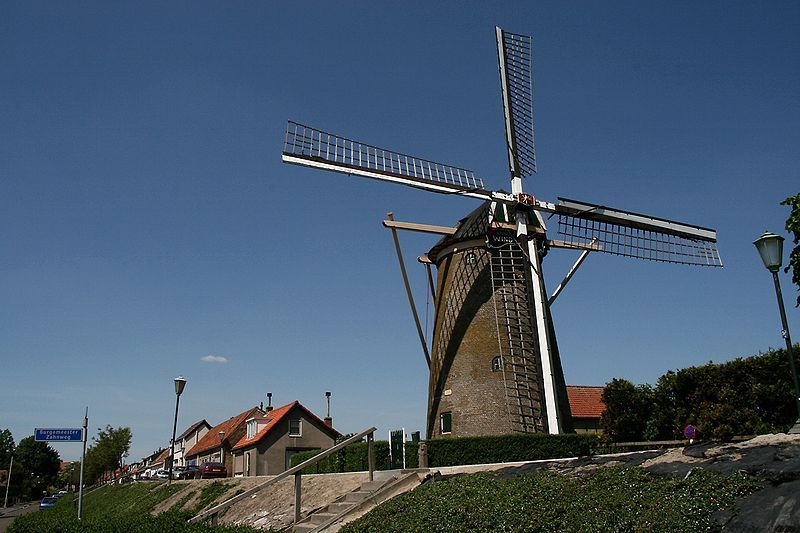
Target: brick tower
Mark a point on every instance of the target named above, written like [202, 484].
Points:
[486, 370]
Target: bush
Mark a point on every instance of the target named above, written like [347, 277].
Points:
[506, 448]
[747, 396]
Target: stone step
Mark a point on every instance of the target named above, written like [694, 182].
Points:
[320, 518]
[337, 508]
[357, 496]
[371, 486]
[303, 527]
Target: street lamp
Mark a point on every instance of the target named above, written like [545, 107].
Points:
[770, 247]
[180, 383]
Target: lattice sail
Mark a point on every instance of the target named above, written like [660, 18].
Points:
[315, 148]
[515, 55]
[634, 235]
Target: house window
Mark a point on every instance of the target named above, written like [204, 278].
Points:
[446, 422]
[251, 428]
[470, 258]
[295, 428]
[497, 364]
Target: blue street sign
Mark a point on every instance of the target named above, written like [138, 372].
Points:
[58, 434]
[689, 431]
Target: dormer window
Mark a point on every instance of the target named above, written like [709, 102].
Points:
[251, 428]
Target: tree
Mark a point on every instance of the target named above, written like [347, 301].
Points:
[793, 227]
[38, 459]
[6, 448]
[106, 451]
[628, 409]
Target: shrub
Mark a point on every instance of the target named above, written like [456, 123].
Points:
[506, 448]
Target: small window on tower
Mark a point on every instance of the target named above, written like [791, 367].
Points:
[470, 258]
[497, 364]
[446, 422]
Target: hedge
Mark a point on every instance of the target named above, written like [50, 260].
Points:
[459, 451]
[507, 448]
[354, 458]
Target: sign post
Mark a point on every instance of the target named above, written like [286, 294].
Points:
[68, 435]
[83, 462]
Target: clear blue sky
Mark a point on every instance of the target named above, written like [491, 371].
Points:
[146, 220]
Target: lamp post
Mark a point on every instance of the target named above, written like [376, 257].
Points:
[180, 383]
[770, 247]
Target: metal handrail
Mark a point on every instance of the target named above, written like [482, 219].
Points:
[297, 471]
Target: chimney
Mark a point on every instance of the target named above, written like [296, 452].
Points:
[328, 419]
[269, 402]
[261, 405]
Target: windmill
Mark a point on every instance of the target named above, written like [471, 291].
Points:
[494, 361]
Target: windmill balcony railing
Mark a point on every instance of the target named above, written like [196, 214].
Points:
[212, 514]
[307, 142]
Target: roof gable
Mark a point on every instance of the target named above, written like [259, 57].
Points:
[586, 401]
[212, 439]
[193, 427]
[274, 417]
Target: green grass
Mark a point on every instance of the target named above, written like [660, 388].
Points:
[121, 508]
[210, 492]
[610, 499]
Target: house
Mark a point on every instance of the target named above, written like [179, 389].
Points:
[273, 437]
[188, 439]
[586, 404]
[156, 463]
[215, 445]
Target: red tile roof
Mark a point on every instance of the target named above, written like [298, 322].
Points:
[211, 439]
[585, 401]
[161, 457]
[275, 416]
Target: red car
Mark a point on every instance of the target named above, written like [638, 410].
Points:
[209, 470]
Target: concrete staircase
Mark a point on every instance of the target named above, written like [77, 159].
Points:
[352, 505]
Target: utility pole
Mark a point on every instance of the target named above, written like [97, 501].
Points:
[8, 481]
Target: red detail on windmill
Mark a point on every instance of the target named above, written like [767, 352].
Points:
[526, 199]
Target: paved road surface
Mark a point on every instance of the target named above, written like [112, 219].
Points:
[8, 515]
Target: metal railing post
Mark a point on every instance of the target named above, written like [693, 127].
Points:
[371, 455]
[297, 491]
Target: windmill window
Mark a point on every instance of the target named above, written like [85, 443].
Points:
[446, 422]
[497, 364]
[295, 428]
[470, 258]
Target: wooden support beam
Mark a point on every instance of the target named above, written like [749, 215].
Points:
[422, 228]
[390, 216]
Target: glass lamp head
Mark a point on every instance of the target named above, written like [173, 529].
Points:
[770, 248]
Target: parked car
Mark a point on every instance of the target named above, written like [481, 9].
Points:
[177, 471]
[47, 502]
[188, 472]
[209, 470]
[161, 474]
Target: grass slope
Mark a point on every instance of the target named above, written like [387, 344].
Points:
[122, 508]
[610, 499]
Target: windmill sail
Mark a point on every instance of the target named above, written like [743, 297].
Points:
[514, 54]
[635, 235]
[315, 148]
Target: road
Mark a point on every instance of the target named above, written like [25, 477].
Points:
[9, 514]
